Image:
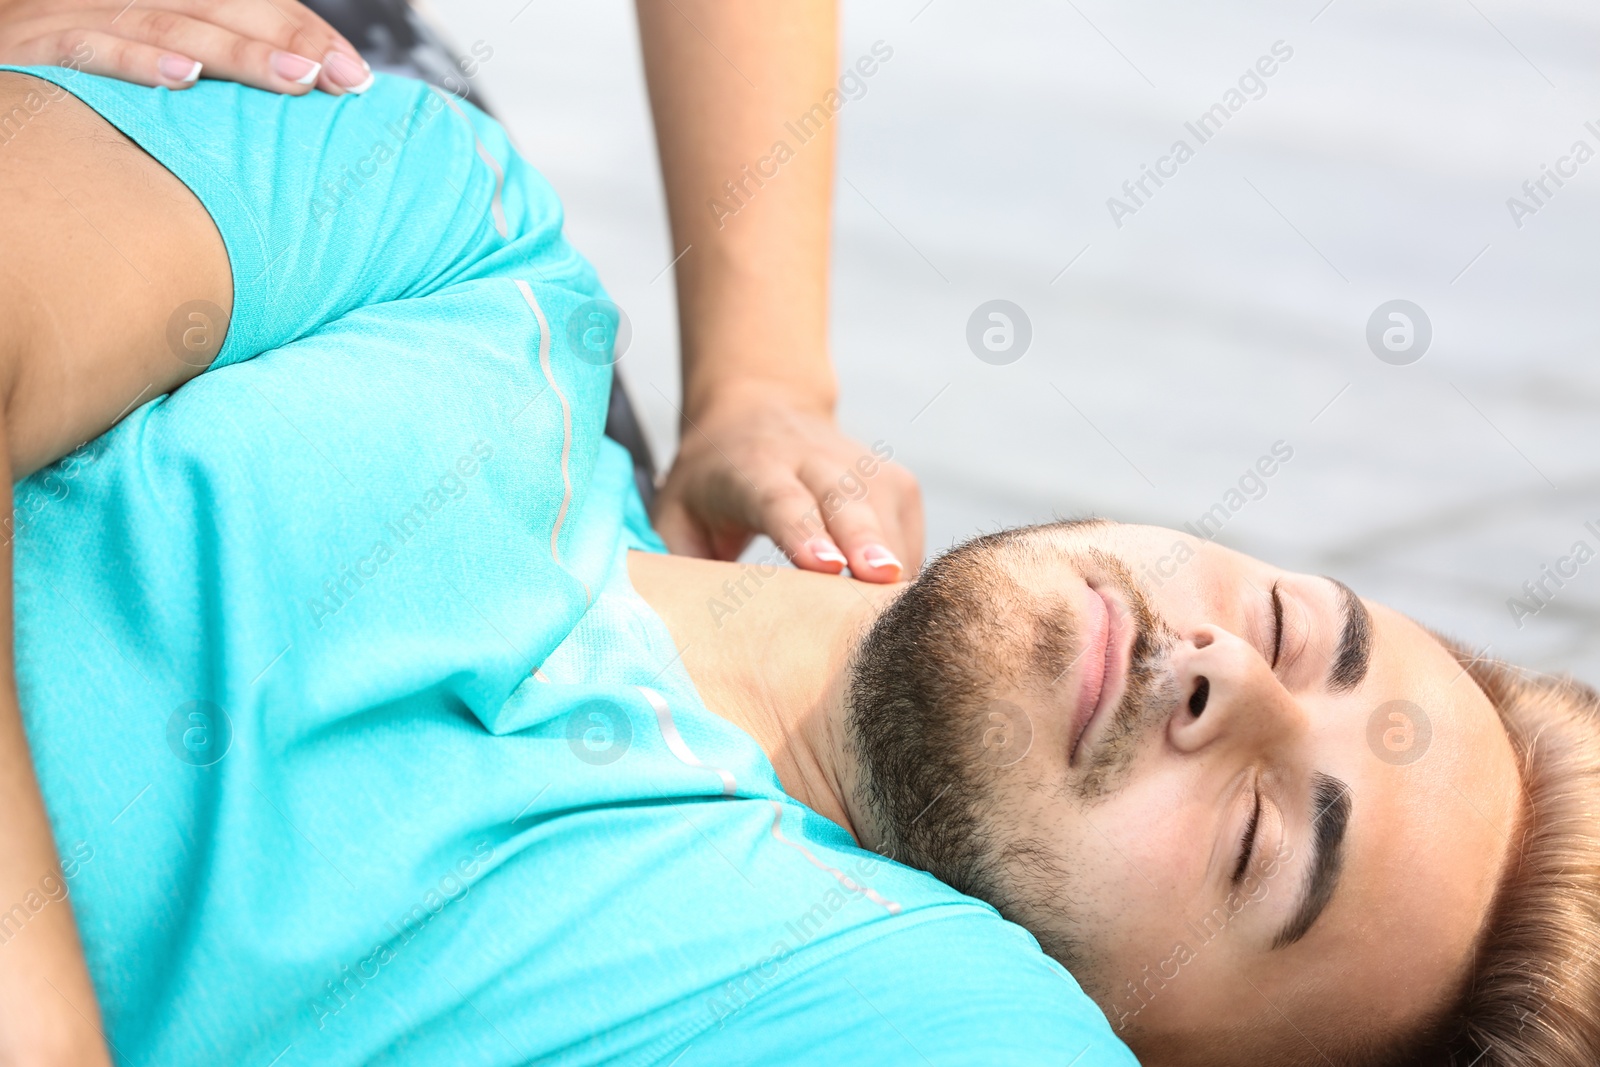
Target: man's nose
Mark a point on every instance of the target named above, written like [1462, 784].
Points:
[1227, 694]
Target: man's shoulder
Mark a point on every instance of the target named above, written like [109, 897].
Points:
[960, 987]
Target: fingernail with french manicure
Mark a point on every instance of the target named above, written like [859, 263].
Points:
[826, 551]
[295, 68]
[178, 69]
[349, 73]
[880, 558]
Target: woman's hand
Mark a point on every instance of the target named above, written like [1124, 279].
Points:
[756, 462]
[277, 45]
[759, 451]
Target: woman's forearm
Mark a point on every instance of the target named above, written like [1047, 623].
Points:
[745, 102]
[48, 1012]
[740, 94]
[103, 247]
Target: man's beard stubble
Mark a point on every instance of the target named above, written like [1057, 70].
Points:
[936, 773]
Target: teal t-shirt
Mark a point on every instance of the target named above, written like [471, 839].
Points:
[357, 742]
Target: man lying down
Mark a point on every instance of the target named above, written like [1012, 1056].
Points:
[374, 725]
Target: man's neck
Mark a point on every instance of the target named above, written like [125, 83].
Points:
[767, 647]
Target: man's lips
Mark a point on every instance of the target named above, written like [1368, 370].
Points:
[1101, 665]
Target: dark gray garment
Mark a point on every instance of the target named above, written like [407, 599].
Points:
[395, 38]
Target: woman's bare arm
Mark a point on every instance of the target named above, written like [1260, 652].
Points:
[749, 196]
[98, 246]
[48, 1012]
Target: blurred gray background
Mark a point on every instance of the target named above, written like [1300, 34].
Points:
[1228, 313]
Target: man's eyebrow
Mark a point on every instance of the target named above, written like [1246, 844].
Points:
[1354, 654]
[1330, 818]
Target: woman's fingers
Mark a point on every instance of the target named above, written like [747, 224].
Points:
[823, 498]
[709, 510]
[787, 511]
[289, 26]
[110, 55]
[280, 46]
[861, 519]
[226, 55]
[258, 45]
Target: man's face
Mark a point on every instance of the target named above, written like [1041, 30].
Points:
[1281, 812]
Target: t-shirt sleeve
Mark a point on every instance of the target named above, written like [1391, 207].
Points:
[969, 990]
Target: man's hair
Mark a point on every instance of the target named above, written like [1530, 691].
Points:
[1531, 997]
